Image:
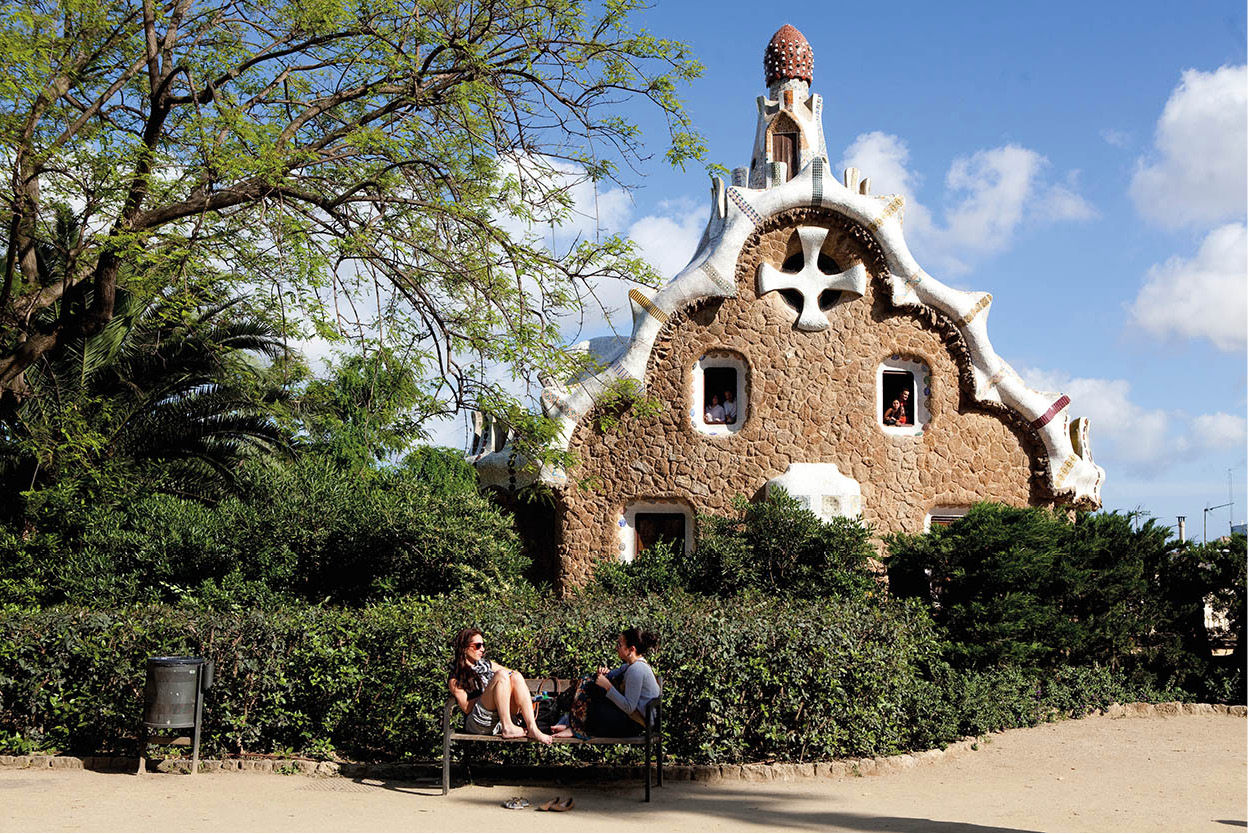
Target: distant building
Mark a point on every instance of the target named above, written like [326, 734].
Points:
[803, 347]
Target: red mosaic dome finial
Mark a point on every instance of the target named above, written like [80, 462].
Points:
[788, 56]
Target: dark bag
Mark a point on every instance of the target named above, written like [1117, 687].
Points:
[545, 712]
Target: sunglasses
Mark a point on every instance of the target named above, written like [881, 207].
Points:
[477, 645]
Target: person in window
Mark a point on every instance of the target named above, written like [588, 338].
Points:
[491, 696]
[714, 412]
[890, 415]
[904, 417]
[612, 702]
[730, 407]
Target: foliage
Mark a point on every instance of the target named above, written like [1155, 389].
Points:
[307, 531]
[367, 409]
[1030, 588]
[624, 396]
[654, 570]
[362, 170]
[746, 678]
[168, 390]
[778, 546]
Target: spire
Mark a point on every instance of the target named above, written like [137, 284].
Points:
[788, 57]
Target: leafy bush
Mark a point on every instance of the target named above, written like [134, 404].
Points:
[301, 532]
[777, 545]
[746, 678]
[1027, 587]
[654, 570]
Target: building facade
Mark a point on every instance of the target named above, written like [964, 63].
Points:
[802, 347]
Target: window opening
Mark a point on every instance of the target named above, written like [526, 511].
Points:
[944, 516]
[794, 263]
[719, 398]
[897, 398]
[784, 149]
[718, 402]
[653, 528]
[643, 524]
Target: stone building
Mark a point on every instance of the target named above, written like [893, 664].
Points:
[860, 383]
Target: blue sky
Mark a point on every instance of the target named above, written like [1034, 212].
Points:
[1084, 163]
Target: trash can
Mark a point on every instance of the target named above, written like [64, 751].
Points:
[172, 691]
[173, 697]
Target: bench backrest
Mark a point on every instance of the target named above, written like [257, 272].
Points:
[556, 685]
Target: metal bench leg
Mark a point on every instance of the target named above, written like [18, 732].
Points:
[647, 764]
[446, 750]
[658, 730]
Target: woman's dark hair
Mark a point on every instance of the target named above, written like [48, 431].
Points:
[640, 639]
[461, 669]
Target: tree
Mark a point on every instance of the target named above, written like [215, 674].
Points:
[331, 154]
[166, 382]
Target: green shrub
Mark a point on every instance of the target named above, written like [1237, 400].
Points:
[1027, 587]
[777, 545]
[307, 531]
[745, 678]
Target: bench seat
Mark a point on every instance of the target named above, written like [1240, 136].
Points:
[650, 738]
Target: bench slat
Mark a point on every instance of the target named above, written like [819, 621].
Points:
[573, 740]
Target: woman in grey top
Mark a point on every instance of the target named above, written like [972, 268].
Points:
[490, 695]
[612, 703]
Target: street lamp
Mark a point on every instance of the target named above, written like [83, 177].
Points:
[1204, 536]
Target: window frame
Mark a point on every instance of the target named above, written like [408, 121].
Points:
[920, 394]
[627, 524]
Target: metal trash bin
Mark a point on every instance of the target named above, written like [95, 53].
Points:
[173, 699]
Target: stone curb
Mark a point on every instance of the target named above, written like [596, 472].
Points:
[755, 772]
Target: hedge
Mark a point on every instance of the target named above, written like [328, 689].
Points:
[746, 678]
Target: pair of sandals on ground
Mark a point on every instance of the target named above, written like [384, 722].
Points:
[517, 803]
[610, 703]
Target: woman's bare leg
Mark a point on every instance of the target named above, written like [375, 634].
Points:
[497, 697]
[523, 704]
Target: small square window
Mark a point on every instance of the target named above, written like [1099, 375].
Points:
[944, 516]
[645, 523]
[653, 528]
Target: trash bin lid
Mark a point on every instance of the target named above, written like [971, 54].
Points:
[175, 661]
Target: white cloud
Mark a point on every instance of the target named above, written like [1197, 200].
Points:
[1139, 439]
[1196, 175]
[1202, 297]
[544, 184]
[1117, 138]
[1220, 431]
[668, 239]
[989, 195]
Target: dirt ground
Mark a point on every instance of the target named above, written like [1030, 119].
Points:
[1183, 773]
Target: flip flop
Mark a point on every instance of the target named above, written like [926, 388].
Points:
[552, 805]
[567, 806]
[516, 803]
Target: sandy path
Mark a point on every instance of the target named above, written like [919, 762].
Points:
[1185, 773]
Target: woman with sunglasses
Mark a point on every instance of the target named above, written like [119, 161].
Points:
[490, 695]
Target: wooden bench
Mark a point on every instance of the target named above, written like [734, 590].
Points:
[651, 738]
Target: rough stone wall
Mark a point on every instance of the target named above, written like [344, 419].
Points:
[811, 398]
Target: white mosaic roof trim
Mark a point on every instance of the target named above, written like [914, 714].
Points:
[735, 213]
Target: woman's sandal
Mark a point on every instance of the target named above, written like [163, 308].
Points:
[516, 803]
[552, 805]
[567, 806]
